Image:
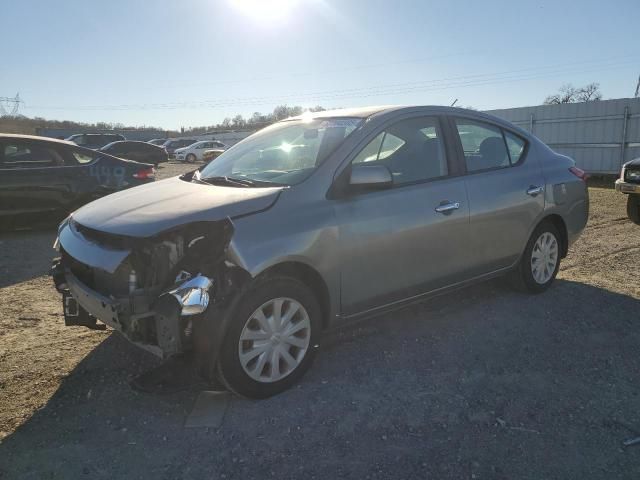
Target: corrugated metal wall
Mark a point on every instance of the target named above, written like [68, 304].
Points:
[600, 136]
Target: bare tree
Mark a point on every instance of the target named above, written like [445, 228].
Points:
[589, 93]
[238, 121]
[570, 94]
[284, 111]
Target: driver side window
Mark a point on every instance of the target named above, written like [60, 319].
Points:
[411, 149]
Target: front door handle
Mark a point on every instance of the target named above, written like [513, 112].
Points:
[534, 190]
[447, 207]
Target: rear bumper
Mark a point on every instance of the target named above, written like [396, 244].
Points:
[625, 187]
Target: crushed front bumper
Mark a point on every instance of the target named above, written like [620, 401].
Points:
[149, 289]
[626, 187]
[161, 324]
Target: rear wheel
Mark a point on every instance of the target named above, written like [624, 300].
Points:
[540, 261]
[272, 338]
[633, 208]
[191, 158]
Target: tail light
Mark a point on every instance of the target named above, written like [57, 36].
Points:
[145, 173]
[578, 172]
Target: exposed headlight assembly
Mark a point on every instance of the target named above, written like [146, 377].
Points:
[193, 295]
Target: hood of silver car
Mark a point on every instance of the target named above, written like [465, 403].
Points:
[149, 209]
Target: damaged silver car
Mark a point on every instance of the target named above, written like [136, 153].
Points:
[312, 221]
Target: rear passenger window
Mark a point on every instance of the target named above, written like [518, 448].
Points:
[411, 149]
[515, 145]
[19, 155]
[483, 145]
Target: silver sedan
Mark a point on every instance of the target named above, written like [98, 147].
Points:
[314, 221]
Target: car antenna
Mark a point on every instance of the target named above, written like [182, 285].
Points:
[454, 102]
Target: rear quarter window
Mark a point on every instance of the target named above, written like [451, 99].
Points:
[83, 157]
[515, 145]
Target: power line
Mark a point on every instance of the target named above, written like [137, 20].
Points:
[363, 92]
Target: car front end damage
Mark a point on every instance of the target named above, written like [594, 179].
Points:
[155, 290]
[629, 181]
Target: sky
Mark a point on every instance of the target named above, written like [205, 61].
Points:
[186, 63]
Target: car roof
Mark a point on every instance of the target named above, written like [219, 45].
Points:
[97, 133]
[357, 112]
[36, 138]
[366, 112]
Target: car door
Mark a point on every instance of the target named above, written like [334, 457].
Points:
[133, 151]
[412, 237]
[33, 178]
[202, 148]
[505, 190]
[115, 149]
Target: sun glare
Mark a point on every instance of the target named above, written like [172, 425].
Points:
[265, 11]
[286, 147]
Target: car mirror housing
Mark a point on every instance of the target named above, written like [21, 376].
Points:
[370, 176]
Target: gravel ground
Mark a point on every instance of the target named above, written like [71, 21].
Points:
[481, 383]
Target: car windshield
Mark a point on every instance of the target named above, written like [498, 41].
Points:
[285, 153]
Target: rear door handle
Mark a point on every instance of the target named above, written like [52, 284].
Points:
[447, 207]
[534, 190]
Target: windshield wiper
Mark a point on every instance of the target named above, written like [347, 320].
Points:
[224, 180]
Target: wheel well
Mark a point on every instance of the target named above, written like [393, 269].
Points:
[558, 222]
[311, 278]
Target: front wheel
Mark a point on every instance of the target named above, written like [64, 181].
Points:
[633, 208]
[540, 261]
[272, 338]
[191, 158]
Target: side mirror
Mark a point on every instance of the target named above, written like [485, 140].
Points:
[370, 176]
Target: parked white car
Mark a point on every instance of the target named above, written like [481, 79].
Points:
[195, 152]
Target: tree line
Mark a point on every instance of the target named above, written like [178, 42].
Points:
[26, 125]
[256, 120]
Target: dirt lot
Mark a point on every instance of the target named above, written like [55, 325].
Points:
[481, 383]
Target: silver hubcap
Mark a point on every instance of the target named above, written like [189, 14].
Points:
[274, 340]
[544, 258]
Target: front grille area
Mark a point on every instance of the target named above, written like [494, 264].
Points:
[83, 272]
[109, 284]
[109, 240]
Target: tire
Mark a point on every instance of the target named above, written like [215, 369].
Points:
[633, 208]
[191, 158]
[529, 279]
[259, 377]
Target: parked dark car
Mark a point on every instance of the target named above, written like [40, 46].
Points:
[157, 141]
[629, 184]
[42, 178]
[173, 144]
[95, 140]
[138, 151]
[314, 221]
